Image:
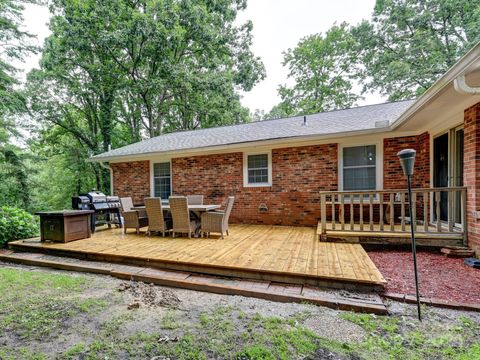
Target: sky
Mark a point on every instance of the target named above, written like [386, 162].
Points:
[277, 26]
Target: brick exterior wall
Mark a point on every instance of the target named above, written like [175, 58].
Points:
[132, 179]
[471, 175]
[299, 173]
[393, 177]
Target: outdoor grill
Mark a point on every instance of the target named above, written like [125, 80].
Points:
[106, 208]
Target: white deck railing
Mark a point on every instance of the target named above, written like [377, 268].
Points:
[387, 211]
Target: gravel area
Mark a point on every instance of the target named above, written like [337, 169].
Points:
[440, 277]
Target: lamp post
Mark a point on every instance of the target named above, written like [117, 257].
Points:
[407, 160]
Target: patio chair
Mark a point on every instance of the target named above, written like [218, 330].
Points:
[195, 199]
[156, 221]
[181, 216]
[132, 219]
[217, 221]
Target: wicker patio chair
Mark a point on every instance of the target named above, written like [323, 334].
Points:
[217, 221]
[181, 216]
[195, 199]
[156, 221]
[132, 219]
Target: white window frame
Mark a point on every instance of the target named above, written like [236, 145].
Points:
[245, 169]
[152, 175]
[378, 163]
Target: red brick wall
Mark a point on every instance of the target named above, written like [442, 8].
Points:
[471, 175]
[393, 177]
[299, 173]
[132, 179]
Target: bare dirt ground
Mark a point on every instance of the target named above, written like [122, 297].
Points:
[48, 314]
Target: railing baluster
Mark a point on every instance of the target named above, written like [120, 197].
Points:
[413, 215]
[387, 199]
[437, 207]
[450, 211]
[323, 210]
[381, 211]
[352, 214]
[360, 198]
[392, 213]
[333, 211]
[342, 211]
[463, 206]
[425, 211]
[370, 215]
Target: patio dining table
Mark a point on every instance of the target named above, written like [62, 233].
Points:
[195, 208]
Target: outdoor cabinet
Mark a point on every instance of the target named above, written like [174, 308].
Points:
[65, 226]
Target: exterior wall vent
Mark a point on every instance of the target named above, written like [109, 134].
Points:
[381, 124]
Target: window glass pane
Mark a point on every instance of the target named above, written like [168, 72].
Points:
[161, 169]
[258, 176]
[257, 168]
[258, 161]
[161, 180]
[359, 155]
[359, 178]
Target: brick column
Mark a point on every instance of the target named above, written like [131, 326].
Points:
[471, 176]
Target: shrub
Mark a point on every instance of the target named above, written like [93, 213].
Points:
[16, 224]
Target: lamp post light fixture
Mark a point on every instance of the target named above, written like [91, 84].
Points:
[407, 160]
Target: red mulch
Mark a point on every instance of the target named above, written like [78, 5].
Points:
[439, 276]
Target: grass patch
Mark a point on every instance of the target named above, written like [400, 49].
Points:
[49, 307]
[169, 321]
[215, 334]
[15, 282]
[395, 338]
[7, 353]
[35, 304]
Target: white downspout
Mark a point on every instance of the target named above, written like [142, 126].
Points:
[102, 164]
[462, 87]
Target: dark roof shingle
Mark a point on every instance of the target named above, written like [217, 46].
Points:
[327, 123]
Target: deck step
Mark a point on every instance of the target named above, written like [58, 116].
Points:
[390, 238]
[280, 292]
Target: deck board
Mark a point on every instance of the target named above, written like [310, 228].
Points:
[274, 250]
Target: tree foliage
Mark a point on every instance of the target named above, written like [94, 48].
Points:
[408, 44]
[320, 67]
[117, 71]
[15, 44]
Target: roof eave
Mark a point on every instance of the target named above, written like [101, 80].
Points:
[238, 145]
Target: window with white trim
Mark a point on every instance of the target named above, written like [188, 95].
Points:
[162, 184]
[258, 172]
[359, 168]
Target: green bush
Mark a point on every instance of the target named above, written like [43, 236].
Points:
[16, 224]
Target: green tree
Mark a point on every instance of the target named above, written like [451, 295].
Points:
[408, 44]
[15, 44]
[183, 71]
[116, 71]
[321, 69]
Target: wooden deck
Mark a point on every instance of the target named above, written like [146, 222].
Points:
[275, 253]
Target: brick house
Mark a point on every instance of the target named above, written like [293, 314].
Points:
[277, 168]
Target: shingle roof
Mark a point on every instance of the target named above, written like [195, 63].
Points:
[327, 123]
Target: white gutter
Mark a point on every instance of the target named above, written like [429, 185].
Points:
[461, 86]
